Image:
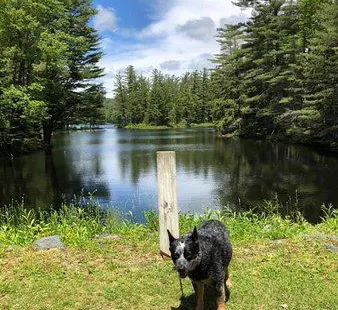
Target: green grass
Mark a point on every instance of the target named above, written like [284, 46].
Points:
[275, 262]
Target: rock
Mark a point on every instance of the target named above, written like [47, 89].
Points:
[12, 248]
[278, 243]
[284, 306]
[267, 227]
[332, 248]
[51, 242]
[108, 237]
[321, 237]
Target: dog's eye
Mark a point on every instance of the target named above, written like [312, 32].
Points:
[188, 256]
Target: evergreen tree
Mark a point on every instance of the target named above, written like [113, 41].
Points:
[318, 119]
[156, 97]
[120, 103]
[228, 89]
[143, 91]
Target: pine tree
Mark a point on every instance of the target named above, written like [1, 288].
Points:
[205, 97]
[120, 102]
[143, 91]
[154, 112]
[227, 81]
[319, 116]
[132, 110]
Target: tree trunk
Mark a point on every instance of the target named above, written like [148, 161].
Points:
[47, 135]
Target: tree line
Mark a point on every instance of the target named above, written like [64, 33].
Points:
[161, 100]
[274, 77]
[48, 59]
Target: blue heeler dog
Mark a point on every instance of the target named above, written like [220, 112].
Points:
[204, 255]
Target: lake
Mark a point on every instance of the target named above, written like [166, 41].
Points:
[118, 168]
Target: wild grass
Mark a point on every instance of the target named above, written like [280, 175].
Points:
[279, 262]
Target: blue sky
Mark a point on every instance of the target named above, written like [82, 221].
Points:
[174, 36]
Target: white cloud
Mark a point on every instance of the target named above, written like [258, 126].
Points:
[105, 20]
[180, 39]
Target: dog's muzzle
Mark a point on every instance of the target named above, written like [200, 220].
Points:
[183, 273]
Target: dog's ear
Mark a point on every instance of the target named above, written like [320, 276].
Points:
[171, 237]
[194, 235]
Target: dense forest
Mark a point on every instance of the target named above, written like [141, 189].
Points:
[162, 100]
[274, 77]
[48, 58]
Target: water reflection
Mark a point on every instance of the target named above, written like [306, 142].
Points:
[119, 167]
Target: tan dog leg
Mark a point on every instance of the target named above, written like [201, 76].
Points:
[199, 290]
[221, 298]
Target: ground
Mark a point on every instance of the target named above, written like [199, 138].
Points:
[126, 272]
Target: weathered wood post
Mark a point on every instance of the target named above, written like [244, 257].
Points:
[167, 199]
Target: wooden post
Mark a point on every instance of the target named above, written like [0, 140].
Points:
[167, 199]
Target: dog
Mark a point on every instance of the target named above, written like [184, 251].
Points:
[204, 256]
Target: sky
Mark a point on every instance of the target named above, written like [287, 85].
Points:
[174, 36]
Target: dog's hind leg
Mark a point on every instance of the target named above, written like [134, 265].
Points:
[199, 290]
[221, 296]
[227, 285]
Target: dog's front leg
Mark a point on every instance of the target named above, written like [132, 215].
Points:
[199, 290]
[220, 297]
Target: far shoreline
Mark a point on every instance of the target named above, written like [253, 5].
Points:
[157, 127]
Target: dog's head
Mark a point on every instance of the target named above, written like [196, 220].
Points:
[185, 252]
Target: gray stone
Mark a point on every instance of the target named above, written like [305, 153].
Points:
[108, 237]
[267, 227]
[332, 248]
[12, 248]
[321, 237]
[278, 242]
[51, 242]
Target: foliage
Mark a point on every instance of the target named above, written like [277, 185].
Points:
[161, 101]
[82, 220]
[278, 70]
[48, 60]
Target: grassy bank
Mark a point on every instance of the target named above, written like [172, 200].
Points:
[180, 125]
[277, 262]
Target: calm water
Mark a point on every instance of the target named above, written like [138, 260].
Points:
[119, 168]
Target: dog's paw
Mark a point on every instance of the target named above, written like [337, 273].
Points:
[221, 307]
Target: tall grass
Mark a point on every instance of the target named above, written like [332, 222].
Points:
[78, 225]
